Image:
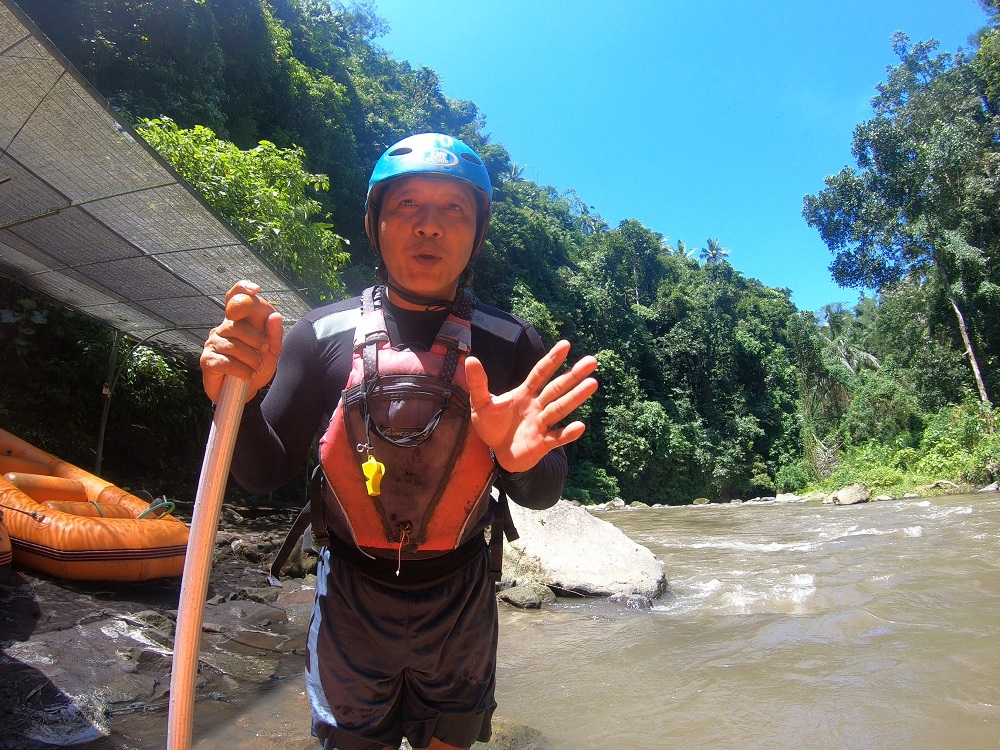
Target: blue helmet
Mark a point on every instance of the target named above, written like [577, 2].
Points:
[430, 154]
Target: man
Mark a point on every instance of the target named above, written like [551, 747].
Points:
[403, 636]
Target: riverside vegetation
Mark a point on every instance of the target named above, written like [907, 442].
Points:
[713, 385]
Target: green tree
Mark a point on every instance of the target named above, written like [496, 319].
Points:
[714, 252]
[147, 58]
[913, 331]
[922, 202]
[842, 347]
[824, 392]
[884, 408]
[263, 192]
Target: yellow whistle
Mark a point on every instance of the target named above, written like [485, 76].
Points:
[373, 474]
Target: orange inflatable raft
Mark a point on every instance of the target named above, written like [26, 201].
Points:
[6, 556]
[72, 524]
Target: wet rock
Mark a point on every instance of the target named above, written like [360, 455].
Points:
[574, 553]
[787, 497]
[616, 503]
[148, 660]
[944, 484]
[297, 601]
[632, 601]
[507, 735]
[528, 596]
[129, 688]
[302, 560]
[248, 551]
[850, 495]
[512, 735]
[75, 654]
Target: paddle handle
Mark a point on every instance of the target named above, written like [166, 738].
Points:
[198, 561]
[204, 525]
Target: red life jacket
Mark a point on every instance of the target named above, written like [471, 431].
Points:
[405, 417]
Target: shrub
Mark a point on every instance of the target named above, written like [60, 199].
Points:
[792, 477]
[964, 424]
[984, 466]
[590, 484]
[945, 459]
[880, 477]
[905, 458]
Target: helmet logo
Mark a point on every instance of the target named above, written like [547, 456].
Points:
[439, 157]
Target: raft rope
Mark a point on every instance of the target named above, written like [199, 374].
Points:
[162, 508]
[35, 515]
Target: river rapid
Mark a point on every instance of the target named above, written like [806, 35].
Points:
[866, 627]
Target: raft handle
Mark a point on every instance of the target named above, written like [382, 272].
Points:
[161, 507]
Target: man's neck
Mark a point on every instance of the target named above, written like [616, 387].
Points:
[414, 329]
[410, 304]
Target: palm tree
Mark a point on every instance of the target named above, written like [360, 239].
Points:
[714, 253]
[514, 174]
[681, 250]
[840, 332]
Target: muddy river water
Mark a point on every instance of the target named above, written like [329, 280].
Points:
[870, 627]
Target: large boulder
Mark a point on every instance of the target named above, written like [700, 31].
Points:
[572, 552]
[850, 495]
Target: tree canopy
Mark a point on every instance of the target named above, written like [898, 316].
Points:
[922, 201]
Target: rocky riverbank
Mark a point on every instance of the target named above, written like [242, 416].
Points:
[80, 658]
[88, 664]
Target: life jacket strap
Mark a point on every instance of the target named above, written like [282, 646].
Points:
[295, 532]
[371, 331]
[502, 526]
[311, 514]
[455, 335]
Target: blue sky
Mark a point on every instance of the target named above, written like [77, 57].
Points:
[699, 119]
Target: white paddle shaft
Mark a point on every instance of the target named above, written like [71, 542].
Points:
[198, 561]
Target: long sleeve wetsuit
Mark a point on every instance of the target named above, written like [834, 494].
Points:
[278, 428]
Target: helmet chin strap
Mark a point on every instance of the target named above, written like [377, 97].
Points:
[429, 303]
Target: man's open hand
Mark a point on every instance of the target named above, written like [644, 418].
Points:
[520, 425]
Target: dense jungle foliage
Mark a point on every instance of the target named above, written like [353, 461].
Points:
[713, 385]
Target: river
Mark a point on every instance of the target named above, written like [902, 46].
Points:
[866, 627]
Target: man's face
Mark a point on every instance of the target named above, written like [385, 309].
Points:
[426, 229]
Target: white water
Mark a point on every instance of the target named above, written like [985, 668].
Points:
[785, 626]
[872, 627]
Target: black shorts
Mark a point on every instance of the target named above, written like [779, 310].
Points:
[387, 661]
